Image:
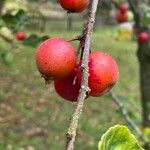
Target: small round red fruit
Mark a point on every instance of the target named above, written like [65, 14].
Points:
[123, 8]
[76, 6]
[21, 36]
[103, 73]
[55, 58]
[121, 17]
[68, 87]
[143, 37]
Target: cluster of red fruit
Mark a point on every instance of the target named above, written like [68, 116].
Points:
[56, 60]
[122, 13]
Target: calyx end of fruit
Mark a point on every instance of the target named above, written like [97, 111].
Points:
[48, 80]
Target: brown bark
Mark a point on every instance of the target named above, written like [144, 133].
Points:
[143, 53]
[144, 62]
[85, 42]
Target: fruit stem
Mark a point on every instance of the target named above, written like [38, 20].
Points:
[85, 42]
[77, 38]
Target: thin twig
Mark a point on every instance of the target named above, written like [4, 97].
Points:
[126, 116]
[71, 134]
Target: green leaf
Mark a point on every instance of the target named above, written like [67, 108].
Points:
[33, 40]
[118, 138]
[23, 19]
[147, 132]
[15, 21]
[146, 15]
[7, 33]
[146, 19]
[7, 58]
[2, 23]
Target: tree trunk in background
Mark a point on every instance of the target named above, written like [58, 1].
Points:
[144, 61]
[143, 53]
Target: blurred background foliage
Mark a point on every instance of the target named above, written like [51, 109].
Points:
[32, 116]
